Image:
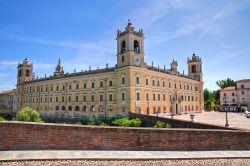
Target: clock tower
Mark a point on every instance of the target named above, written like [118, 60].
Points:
[130, 47]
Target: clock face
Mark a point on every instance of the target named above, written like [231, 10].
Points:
[137, 60]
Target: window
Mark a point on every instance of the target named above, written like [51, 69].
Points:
[70, 87]
[123, 96]
[45, 100]
[188, 98]
[163, 84]
[110, 82]
[122, 58]
[242, 86]
[138, 96]
[27, 73]
[180, 86]
[147, 97]
[193, 68]
[84, 98]
[153, 82]
[192, 98]
[169, 84]
[110, 97]
[76, 98]
[123, 46]
[233, 94]
[136, 46]
[57, 88]
[182, 98]
[50, 99]
[92, 98]
[159, 97]
[93, 85]
[62, 98]
[146, 81]
[242, 92]
[56, 99]
[225, 94]
[164, 97]
[84, 85]
[69, 98]
[153, 97]
[123, 79]
[158, 83]
[77, 86]
[196, 88]
[175, 86]
[101, 84]
[63, 88]
[101, 97]
[187, 87]
[233, 100]
[137, 80]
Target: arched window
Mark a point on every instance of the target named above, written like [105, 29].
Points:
[136, 46]
[84, 108]
[27, 73]
[77, 108]
[20, 73]
[123, 47]
[194, 69]
[70, 108]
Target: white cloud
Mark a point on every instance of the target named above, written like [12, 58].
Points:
[8, 63]
[150, 12]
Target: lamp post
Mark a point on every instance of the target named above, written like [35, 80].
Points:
[171, 102]
[226, 100]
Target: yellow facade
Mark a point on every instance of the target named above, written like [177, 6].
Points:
[131, 85]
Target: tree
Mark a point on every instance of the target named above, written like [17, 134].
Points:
[225, 83]
[28, 114]
[206, 94]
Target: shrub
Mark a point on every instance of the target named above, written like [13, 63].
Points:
[159, 124]
[91, 121]
[2, 119]
[135, 122]
[103, 124]
[28, 114]
[78, 123]
[168, 125]
[125, 122]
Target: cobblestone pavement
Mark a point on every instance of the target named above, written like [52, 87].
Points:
[218, 118]
[209, 162]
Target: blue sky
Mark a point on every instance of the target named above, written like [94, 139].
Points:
[82, 33]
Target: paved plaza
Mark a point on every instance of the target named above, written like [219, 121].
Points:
[237, 120]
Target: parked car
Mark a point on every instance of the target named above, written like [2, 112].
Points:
[247, 114]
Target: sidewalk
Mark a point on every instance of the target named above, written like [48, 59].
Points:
[118, 155]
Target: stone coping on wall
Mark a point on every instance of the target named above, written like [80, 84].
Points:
[37, 124]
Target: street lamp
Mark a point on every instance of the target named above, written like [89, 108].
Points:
[226, 100]
[171, 106]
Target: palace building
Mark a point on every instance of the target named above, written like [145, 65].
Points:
[130, 86]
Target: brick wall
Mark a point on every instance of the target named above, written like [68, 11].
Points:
[21, 136]
[149, 121]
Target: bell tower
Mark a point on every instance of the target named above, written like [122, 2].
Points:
[195, 67]
[24, 71]
[130, 47]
